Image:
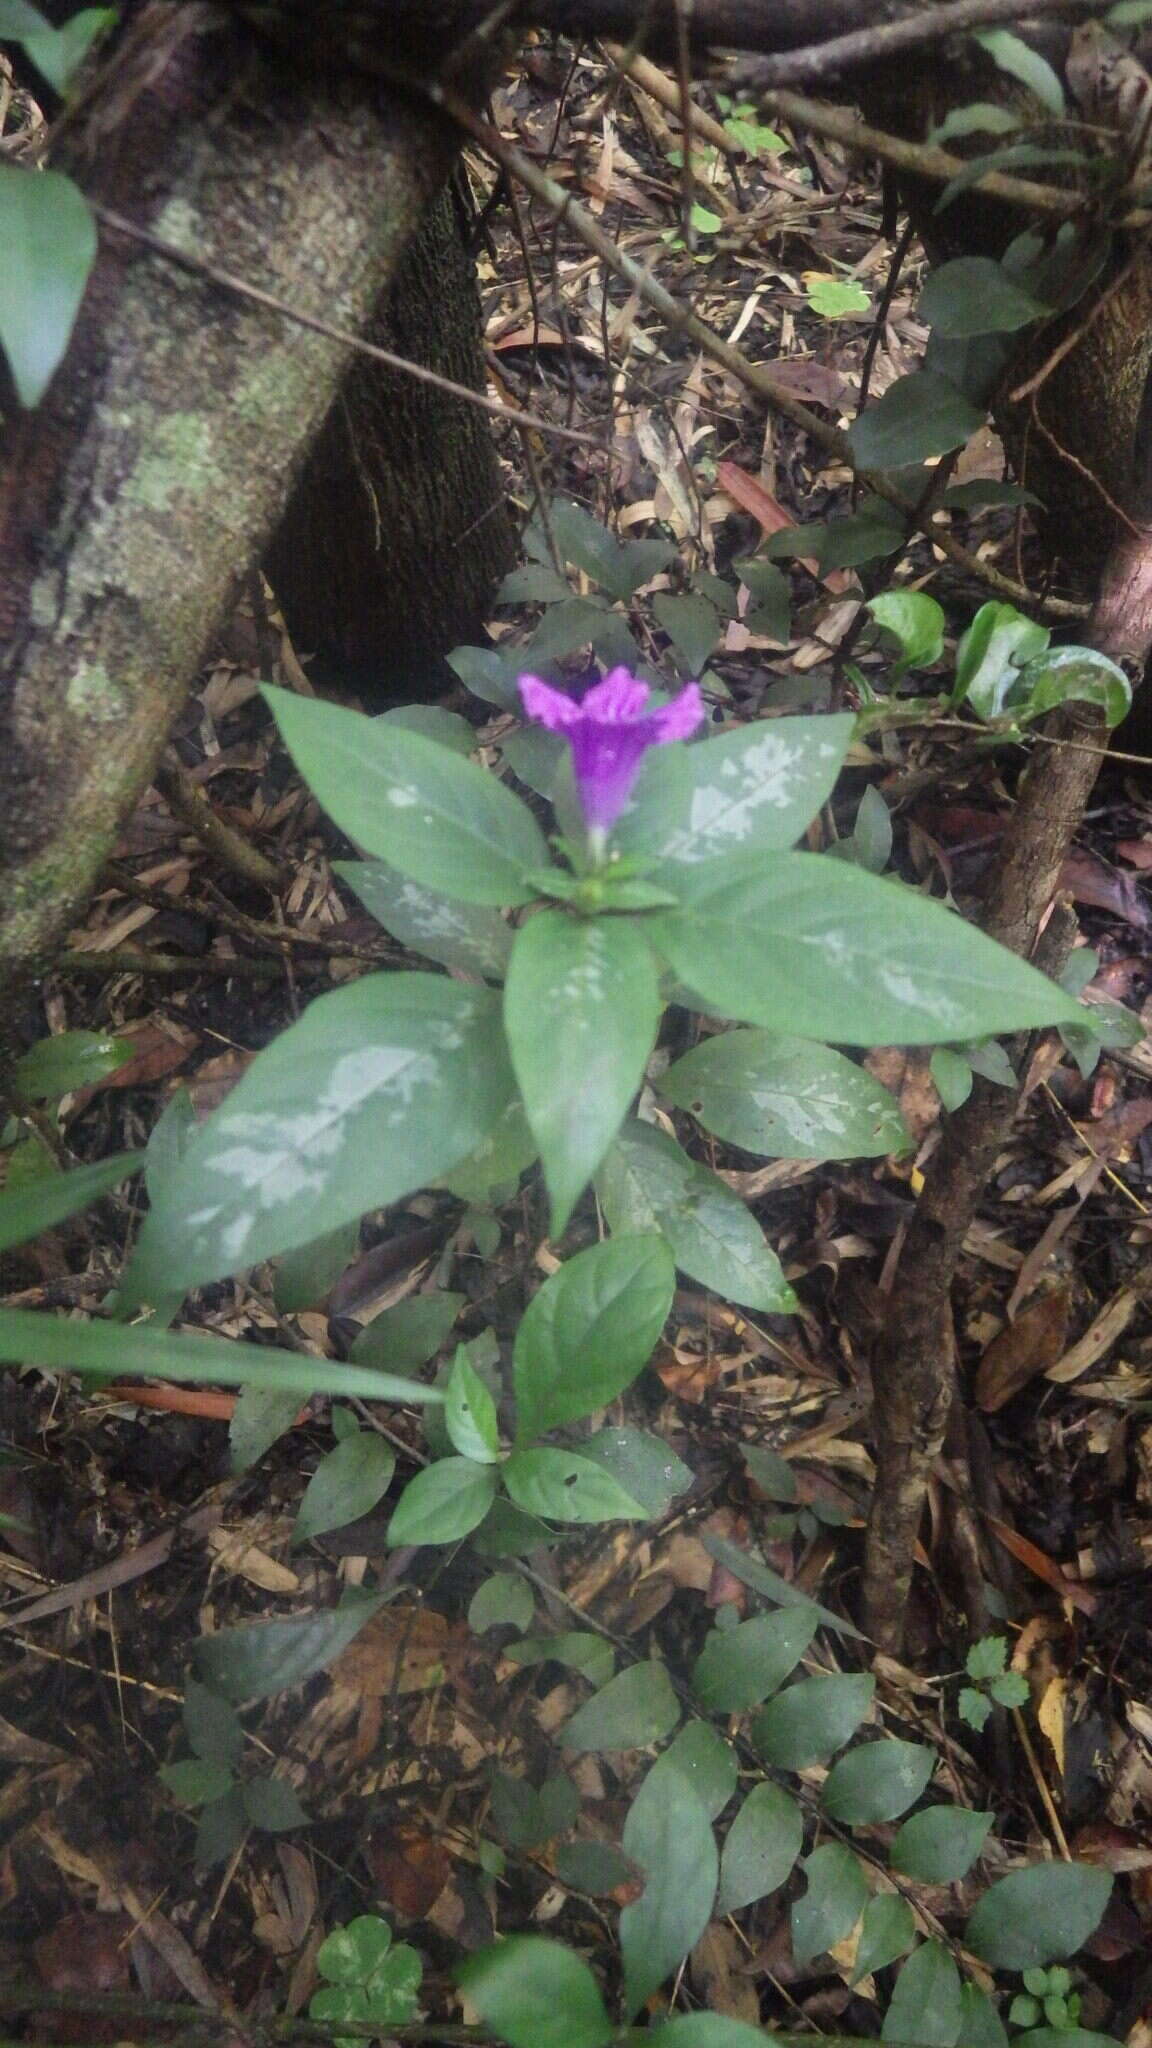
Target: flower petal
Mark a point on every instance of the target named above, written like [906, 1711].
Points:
[553, 709]
[618, 700]
[679, 719]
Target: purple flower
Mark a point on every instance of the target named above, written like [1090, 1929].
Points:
[609, 733]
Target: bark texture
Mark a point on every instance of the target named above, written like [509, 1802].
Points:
[398, 530]
[143, 488]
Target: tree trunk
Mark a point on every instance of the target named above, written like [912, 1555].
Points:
[142, 489]
[398, 530]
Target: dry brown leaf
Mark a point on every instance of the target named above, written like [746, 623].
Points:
[411, 1867]
[1027, 1347]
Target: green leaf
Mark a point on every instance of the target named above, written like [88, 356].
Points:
[982, 117]
[26, 1211]
[470, 1412]
[692, 624]
[649, 1183]
[926, 2005]
[915, 620]
[72, 1059]
[976, 295]
[775, 1477]
[981, 2025]
[738, 1667]
[704, 2030]
[59, 53]
[354, 1954]
[1009, 53]
[991, 654]
[643, 1465]
[594, 1867]
[261, 1416]
[527, 1818]
[447, 728]
[1011, 1690]
[762, 1845]
[273, 1804]
[878, 1781]
[565, 1487]
[743, 792]
[507, 1532]
[837, 297]
[634, 1709]
[706, 1763]
[348, 1482]
[1039, 1915]
[590, 1330]
[493, 1168]
[535, 1993]
[619, 567]
[446, 1501]
[405, 799]
[536, 758]
[770, 611]
[195, 1781]
[888, 1930]
[845, 956]
[940, 1845]
[381, 1086]
[1063, 2037]
[576, 1649]
[669, 1835]
[487, 674]
[49, 240]
[785, 1098]
[310, 1271]
[581, 1009]
[266, 1657]
[211, 1725]
[1081, 674]
[222, 1827]
[951, 1076]
[836, 1896]
[406, 1336]
[471, 936]
[109, 1351]
[811, 1720]
[919, 416]
[503, 1601]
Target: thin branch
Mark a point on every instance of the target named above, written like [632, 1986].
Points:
[880, 42]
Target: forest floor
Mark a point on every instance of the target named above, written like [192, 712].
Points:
[128, 1535]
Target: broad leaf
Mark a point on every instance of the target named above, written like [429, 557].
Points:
[878, 1781]
[444, 1502]
[405, 1337]
[752, 1571]
[266, 1657]
[919, 416]
[109, 1351]
[915, 620]
[926, 2005]
[503, 1601]
[471, 936]
[565, 1487]
[785, 1098]
[581, 1009]
[619, 567]
[72, 1059]
[940, 1845]
[1019, 60]
[261, 1416]
[743, 792]
[470, 1412]
[836, 1896]
[643, 1465]
[305, 1275]
[738, 1667]
[590, 1330]
[380, 1086]
[211, 1725]
[347, 1483]
[26, 1211]
[1037, 1916]
[762, 1845]
[705, 2030]
[576, 1649]
[707, 1764]
[48, 237]
[692, 624]
[649, 1183]
[976, 295]
[982, 2026]
[887, 1931]
[535, 1993]
[991, 654]
[811, 1720]
[669, 1835]
[845, 956]
[406, 799]
[272, 1804]
[634, 1709]
[1078, 674]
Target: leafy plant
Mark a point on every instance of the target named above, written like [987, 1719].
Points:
[369, 1978]
[992, 1682]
